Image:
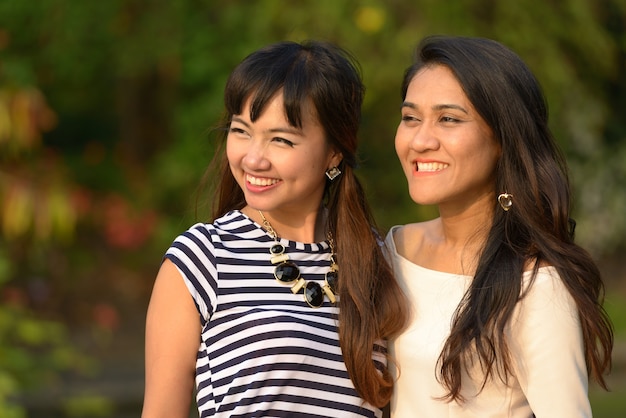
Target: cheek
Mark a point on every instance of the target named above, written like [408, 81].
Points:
[232, 152]
[401, 144]
[483, 165]
[397, 141]
[493, 156]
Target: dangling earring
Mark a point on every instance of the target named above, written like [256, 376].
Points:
[333, 173]
[506, 201]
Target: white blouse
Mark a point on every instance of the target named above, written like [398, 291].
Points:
[545, 341]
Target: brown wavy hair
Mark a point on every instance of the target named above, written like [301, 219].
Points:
[537, 229]
[372, 306]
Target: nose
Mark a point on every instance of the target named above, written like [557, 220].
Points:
[424, 138]
[255, 157]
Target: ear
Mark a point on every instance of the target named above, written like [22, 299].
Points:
[335, 159]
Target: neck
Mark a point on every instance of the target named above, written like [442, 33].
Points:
[307, 228]
[463, 232]
[460, 238]
[467, 225]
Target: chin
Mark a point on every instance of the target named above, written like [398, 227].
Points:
[420, 199]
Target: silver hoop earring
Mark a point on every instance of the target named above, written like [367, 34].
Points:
[333, 173]
[506, 201]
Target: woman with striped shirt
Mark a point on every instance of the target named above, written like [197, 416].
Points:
[280, 306]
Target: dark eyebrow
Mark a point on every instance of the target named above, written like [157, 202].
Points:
[238, 119]
[286, 130]
[408, 104]
[451, 106]
[437, 107]
[293, 131]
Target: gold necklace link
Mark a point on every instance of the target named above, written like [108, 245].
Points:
[268, 227]
[287, 271]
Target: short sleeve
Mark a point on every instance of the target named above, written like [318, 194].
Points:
[193, 253]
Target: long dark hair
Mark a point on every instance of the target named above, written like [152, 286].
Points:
[371, 304]
[538, 228]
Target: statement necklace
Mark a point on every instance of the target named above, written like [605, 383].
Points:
[287, 271]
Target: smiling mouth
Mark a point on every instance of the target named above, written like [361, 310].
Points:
[260, 181]
[429, 167]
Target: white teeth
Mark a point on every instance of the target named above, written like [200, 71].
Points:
[260, 181]
[430, 166]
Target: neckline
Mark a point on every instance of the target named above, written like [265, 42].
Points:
[392, 246]
[291, 243]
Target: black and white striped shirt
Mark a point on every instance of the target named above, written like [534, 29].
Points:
[263, 351]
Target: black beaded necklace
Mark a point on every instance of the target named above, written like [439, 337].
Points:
[287, 271]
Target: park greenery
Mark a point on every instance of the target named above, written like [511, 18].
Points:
[106, 117]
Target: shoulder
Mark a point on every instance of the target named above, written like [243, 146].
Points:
[531, 263]
[405, 233]
[546, 275]
[546, 291]
[408, 238]
[231, 226]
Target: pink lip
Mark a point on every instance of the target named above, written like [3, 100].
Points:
[423, 167]
[258, 189]
[255, 188]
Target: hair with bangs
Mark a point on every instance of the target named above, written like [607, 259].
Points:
[372, 306]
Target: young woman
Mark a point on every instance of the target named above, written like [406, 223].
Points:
[280, 305]
[507, 315]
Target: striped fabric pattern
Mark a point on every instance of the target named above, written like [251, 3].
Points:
[264, 352]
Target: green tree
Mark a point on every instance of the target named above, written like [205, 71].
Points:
[107, 109]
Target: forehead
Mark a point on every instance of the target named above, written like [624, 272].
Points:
[436, 75]
[438, 84]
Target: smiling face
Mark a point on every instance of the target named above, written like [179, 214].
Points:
[280, 167]
[447, 151]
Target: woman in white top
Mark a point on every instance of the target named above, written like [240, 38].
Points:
[507, 309]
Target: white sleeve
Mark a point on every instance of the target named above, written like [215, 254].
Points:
[547, 351]
[193, 253]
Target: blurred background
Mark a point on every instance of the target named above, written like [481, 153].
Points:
[106, 109]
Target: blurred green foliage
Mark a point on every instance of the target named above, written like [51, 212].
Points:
[33, 351]
[137, 85]
[106, 110]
